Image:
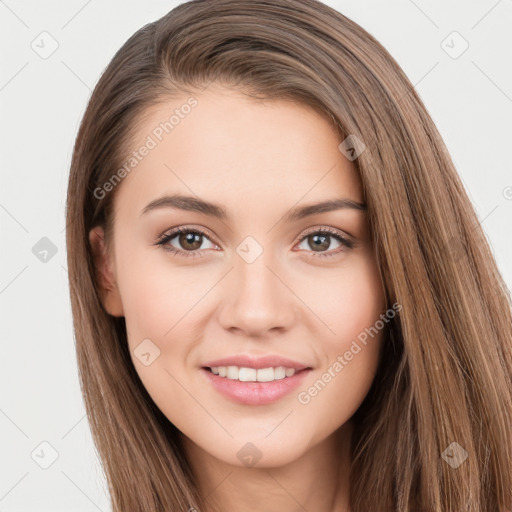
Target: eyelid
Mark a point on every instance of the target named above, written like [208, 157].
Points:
[325, 229]
[186, 228]
[207, 234]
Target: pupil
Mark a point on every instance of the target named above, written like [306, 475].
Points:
[192, 239]
[320, 241]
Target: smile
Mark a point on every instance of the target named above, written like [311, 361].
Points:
[251, 386]
[246, 374]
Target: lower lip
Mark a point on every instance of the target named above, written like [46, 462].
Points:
[255, 393]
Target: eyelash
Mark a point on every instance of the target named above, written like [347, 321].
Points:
[166, 238]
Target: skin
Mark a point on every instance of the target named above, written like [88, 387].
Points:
[258, 160]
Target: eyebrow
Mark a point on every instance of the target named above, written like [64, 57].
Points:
[194, 204]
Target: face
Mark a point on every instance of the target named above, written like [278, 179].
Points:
[282, 291]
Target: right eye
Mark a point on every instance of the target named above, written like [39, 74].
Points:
[187, 237]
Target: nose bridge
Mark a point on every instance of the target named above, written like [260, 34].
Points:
[253, 279]
[258, 300]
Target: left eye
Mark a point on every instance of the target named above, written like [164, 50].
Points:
[319, 240]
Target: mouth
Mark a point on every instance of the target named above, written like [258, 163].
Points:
[247, 374]
[254, 386]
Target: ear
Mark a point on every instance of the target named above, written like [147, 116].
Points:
[105, 276]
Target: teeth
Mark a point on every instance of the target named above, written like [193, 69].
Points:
[245, 374]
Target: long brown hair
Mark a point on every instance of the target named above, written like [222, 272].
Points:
[446, 373]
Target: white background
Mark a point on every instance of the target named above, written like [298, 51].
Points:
[42, 101]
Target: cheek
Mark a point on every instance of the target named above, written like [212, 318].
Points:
[156, 299]
[348, 303]
[338, 389]
[160, 302]
[359, 306]
[155, 294]
[352, 307]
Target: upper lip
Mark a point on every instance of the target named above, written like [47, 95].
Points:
[248, 361]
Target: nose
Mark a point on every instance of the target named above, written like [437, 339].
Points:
[258, 301]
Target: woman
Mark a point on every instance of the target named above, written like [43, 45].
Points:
[230, 359]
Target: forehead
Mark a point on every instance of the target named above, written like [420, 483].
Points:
[221, 144]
